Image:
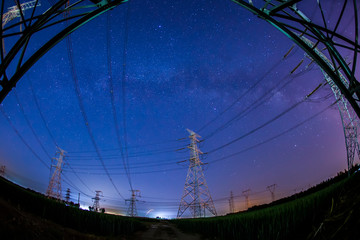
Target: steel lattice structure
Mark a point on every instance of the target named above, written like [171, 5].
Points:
[196, 195]
[350, 121]
[132, 210]
[96, 205]
[54, 188]
[290, 20]
[49, 22]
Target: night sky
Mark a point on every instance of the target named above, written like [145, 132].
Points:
[209, 66]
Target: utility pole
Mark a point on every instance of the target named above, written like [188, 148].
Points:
[271, 189]
[96, 205]
[54, 188]
[67, 196]
[246, 195]
[196, 195]
[231, 203]
[132, 211]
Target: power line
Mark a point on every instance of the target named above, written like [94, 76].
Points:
[21, 137]
[123, 85]
[49, 132]
[244, 150]
[114, 112]
[131, 147]
[241, 96]
[68, 181]
[276, 136]
[133, 155]
[254, 105]
[41, 114]
[82, 110]
[29, 124]
[258, 128]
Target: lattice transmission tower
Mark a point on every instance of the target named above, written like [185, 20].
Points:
[196, 195]
[325, 44]
[96, 199]
[54, 188]
[349, 119]
[67, 195]
[231, 203]
[14, 11]
[326, 33]
[132, 210]
[2, 170]
[246, 194]
[24, 52]
[271, 189]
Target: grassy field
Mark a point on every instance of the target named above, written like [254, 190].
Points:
[330, 213]
[33, 205]
[327, 211]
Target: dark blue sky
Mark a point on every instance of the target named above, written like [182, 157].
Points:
[186, 62]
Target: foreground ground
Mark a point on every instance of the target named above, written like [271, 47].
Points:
[164, 231]
[338, 219]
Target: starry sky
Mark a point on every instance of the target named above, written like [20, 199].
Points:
[148, 70]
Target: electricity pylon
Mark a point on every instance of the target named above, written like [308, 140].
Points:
[271, 189]
[2, 171]
[22, 55]
[328, 35]
[246, 195]
[231, 203]
[196, 195]
[132, 211]
[54, 188]
[67, 196]
[14, 12]
[349, 119]
[96, 205]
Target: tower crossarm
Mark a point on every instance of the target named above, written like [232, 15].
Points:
[291, 21]
[14, 12]
[349, 119]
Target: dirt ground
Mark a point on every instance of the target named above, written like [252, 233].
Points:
[16, 224]
[164, 231]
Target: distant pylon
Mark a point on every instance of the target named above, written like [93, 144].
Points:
[54, 188]
[2, 170]
[132, 211]
[271, 189]
[246, 195]
[96, 205]
[231, 203]
[67, 196]
[196, 195]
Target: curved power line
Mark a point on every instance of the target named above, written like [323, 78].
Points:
[241, 96]
[49, 132]
[67, 180]
[123, 87]
[257, 128]
[274, 137]
[82, 110]
[21, 137]
[29, 124]
[254, 105]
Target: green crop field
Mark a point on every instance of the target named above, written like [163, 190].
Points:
[327, 211]
[83, 221]
[302, 218]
